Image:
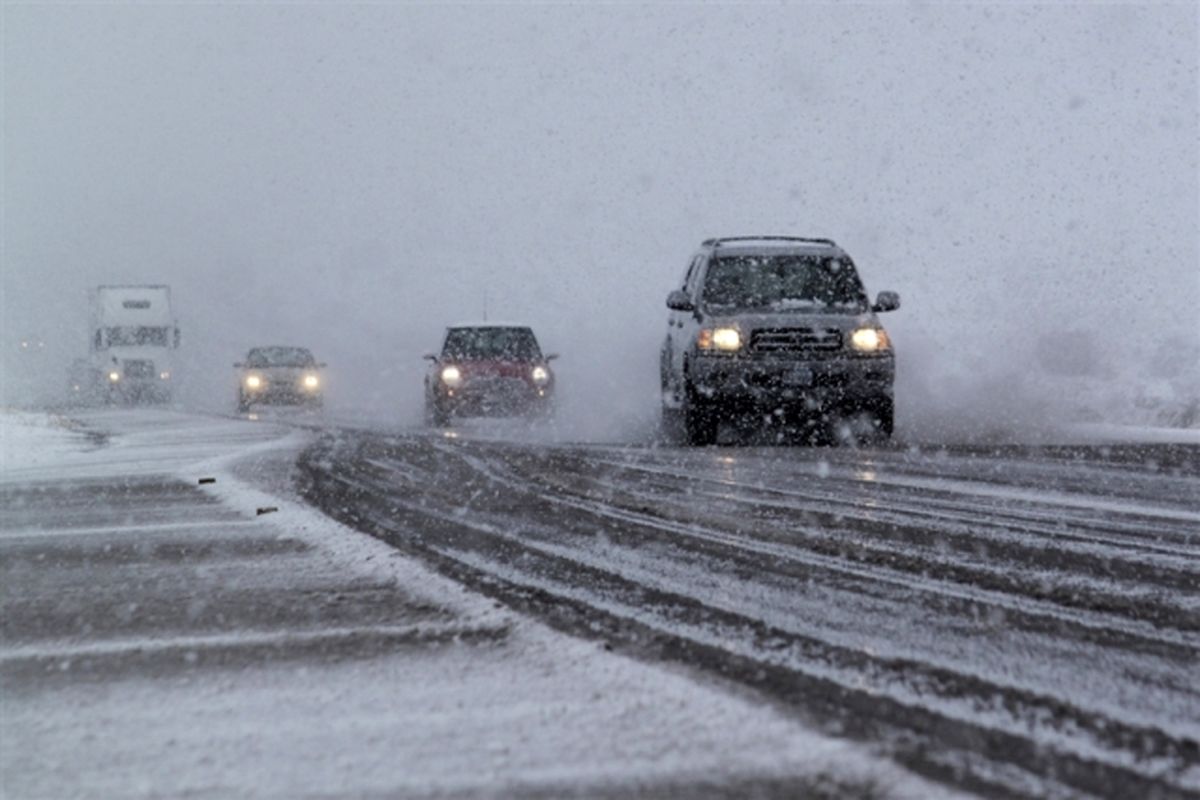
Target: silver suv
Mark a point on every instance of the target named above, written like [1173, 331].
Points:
[776, 327]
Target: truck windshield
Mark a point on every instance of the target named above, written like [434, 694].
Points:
[512, 344]
[783, 283]
[136, 337]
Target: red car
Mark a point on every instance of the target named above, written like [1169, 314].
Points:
[488, 369]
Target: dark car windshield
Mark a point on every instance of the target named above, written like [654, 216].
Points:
[508, 344]
[783, 283]
[280, 357]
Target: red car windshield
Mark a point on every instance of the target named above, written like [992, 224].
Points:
[491, 344]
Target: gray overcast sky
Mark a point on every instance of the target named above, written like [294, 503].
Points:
[354, 177]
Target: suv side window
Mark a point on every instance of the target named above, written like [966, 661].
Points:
[691, 272]
[693, 277]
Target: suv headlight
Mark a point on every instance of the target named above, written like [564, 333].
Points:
[253, 381]
[311, 381]
[870, 340]
[451, 376]
[725, 340]
[540, 374]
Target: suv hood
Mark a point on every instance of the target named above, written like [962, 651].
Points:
[748, 322]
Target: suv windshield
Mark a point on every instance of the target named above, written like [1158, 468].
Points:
[783, 283]
[280, 357]
[511, 344]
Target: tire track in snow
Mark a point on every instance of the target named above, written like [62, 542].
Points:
[491, 525]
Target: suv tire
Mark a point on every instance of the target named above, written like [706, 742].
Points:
[699, 421]
[868, 424]
[885, 413]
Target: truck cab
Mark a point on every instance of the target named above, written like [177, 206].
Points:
[134, 336]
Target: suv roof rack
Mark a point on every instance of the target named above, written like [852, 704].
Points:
[725, 239]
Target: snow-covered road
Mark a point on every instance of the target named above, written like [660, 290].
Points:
[161, 637]
[1020, 620]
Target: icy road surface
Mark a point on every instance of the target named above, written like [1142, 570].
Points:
[160, 638]
[1011, 620]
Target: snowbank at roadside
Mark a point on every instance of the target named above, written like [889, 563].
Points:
[29, 441]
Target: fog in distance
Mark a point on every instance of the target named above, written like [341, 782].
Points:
[355, 179]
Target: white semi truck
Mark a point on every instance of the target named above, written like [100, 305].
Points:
[134, 335]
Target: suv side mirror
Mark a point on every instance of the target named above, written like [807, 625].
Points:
[886, 301]
[429, 357]
[550, 356]
[238, 365]
[678, 300]
[321, 365]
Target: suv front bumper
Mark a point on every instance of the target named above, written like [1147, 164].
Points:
[743, 382]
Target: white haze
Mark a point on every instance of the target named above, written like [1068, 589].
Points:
[355, 178]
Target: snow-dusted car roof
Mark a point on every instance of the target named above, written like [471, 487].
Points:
[775, 246]
[489, 324]
[278, 348]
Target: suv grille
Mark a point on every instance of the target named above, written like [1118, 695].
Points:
[795, 340]
[139, 369]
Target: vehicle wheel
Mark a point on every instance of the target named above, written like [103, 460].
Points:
[243, 405]
[699, 421]
[672, 425]
[870, 423]
[885, 414]
[543, 412]
[435, 416]
[880, 412]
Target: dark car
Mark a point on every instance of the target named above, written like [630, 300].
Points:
[280, 376]
[764, 328]
[488, 370]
